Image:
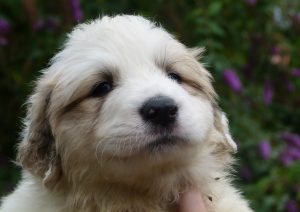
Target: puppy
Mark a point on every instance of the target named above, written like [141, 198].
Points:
[124, 119]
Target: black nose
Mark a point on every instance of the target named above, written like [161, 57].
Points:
[159, 110]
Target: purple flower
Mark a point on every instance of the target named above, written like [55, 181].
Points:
[291, 206]
[295, 72]
[289, 155]
[264, 149]
[232, 80]
[286, 159]
[268, 92]
[4, 26]
[291, 139]
[76, 10]
[251, 2]
[293, 152]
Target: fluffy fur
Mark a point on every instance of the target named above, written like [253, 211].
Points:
[81, 153]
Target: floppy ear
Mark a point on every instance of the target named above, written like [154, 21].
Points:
[37, 152]
[222, 136]
[226, 131]
[221, 124]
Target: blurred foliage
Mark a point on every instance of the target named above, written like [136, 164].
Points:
[257, 40]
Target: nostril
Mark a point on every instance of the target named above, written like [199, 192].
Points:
[172, 111]
[150, 113]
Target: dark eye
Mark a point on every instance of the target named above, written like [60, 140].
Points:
[102, 89]
[175, 77]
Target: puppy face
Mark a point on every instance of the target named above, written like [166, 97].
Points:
[122, 89]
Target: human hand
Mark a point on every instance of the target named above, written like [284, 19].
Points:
[191, 201]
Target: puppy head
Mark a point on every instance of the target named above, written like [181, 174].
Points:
[121, 91]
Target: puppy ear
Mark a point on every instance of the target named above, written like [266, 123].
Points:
[221, 124]
[224, 138]
[226, 131]
[37, 152]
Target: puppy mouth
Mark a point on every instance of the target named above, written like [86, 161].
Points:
[164, 141]
[151, 140]
[164, 138]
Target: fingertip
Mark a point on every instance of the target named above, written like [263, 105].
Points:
[191, 201]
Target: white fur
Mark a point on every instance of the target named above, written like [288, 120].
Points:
[97, 157]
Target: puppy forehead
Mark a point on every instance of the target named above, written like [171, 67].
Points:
[121, 33]
[127, 39]
[113, 44]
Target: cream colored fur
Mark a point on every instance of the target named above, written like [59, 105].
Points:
[81, 153]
